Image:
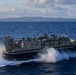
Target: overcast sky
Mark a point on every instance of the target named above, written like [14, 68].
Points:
[38, 8]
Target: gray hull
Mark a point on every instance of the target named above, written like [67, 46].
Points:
[21, 55]
[32, 54]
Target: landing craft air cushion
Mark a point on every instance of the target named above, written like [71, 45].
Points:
[29, 47]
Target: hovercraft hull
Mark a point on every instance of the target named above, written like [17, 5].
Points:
[20, 55]
[30, 55]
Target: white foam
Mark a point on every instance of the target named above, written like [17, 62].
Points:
[12, 63]
[53, 55]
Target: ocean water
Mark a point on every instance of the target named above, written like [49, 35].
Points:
[52, 62]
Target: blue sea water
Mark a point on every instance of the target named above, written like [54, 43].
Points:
[53, 63]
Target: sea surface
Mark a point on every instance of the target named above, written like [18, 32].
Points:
[51, 63]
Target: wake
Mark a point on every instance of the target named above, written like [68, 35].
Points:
[49, 55]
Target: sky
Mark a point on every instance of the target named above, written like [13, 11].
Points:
[38, 8]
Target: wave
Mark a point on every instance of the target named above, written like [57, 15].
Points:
[49, 55]
[12, 63]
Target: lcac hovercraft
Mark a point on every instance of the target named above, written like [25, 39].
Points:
[29, 47]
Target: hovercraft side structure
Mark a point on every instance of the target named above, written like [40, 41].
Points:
[27, 47]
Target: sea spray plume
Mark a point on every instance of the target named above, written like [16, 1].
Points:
[52, 55]
[1, 51]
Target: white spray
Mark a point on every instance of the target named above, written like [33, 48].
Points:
[53, 55]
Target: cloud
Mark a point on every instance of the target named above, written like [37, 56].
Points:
[48, 2]
[7, 9]
[43, 7]
[66, 1]
[38, 3]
